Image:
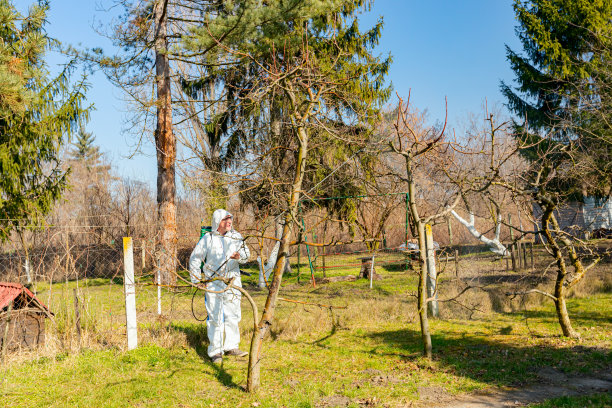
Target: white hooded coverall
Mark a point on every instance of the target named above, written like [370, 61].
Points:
[223, 309]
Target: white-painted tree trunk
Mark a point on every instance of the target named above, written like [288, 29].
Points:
[494, 244]
[432, 275]
[372, 271]
[262, 280]
[26, 266]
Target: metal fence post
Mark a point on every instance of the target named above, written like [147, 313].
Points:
[130, 293]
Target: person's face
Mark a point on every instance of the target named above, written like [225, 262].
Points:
[225, 225]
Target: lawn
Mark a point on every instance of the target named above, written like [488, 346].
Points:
[365, 353]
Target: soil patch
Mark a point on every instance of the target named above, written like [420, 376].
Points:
[555, 384]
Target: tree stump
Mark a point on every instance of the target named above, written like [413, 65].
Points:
[366, 267]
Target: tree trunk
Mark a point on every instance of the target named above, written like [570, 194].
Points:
[26, 263]
[165, 144]
[324, 249]
[422, 290]
[253, 376]
[562, 315]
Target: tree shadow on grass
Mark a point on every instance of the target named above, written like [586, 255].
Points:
[495, 362]
[198, 340]
[580, 317]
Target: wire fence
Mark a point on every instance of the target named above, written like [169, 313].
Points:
[86, 257]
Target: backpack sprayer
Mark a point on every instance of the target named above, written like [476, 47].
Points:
[204, 229]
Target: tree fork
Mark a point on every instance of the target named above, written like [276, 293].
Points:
[560, 305]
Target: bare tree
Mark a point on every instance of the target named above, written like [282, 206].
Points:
[550, 183]
[422, 149]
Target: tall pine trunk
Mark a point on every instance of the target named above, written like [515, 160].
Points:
[165, 144]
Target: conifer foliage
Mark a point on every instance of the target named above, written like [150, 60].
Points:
[563, 87]
[84, 148]
[562, 98]
[561, 42]
[37, 112]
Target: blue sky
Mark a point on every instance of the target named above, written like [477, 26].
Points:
[440, 48]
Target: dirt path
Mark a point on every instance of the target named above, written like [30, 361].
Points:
[554, 384]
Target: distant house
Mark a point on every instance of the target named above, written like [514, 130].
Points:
[583, 218]
[25, 319]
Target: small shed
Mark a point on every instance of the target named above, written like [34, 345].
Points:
[22, 317]
[581, 218]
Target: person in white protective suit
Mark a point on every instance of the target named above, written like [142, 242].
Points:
[220, 251]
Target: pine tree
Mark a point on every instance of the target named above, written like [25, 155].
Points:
[562, 85]
[272, 35]
[37, 113]
[84, 148]
[562, 100]
[305, 82]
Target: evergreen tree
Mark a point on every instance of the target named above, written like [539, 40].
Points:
[563, 97]
[306, 84]
[36, 114]
[84, 148]
[274, 36]
[562, 85]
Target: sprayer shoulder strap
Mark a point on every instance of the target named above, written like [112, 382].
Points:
[204, 259]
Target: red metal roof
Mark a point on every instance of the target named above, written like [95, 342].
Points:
[10, 291]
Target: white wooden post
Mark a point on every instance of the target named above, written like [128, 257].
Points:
[371, 271]
[143, 254]
[431, 272]
[129, 287]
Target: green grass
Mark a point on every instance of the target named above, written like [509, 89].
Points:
[372, 350]
[603, 400]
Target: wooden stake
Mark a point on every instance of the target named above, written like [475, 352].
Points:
[6, 330]
[77, 315]
[457, 263]
[371, 271]
[531, 250]
[130, 293]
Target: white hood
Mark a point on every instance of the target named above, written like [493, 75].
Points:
[214, 250]
[217, 216]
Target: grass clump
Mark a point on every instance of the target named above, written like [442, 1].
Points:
[600, 400]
